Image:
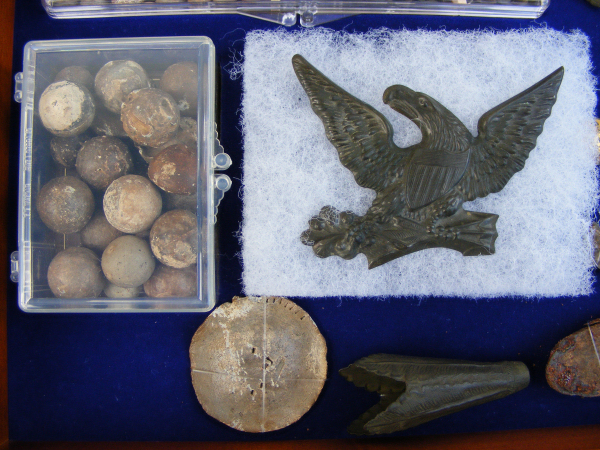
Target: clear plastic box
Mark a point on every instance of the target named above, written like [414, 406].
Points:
[37, 243]
[287, 12]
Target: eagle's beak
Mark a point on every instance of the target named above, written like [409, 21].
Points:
[388, 95]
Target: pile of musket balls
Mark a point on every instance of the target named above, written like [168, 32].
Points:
[126, 145]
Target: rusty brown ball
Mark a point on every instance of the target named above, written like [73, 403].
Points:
[98, 233]
[116, 79]
[132, 204]
[127, 262]
[76, 74]
[174, 238]
[65, 204]
[102, 160]
[76, 273]
[150, 117]
[170, 282]
[65, 149]
[181, 81]
[175, 169]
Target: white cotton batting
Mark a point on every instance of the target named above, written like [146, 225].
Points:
[291, 170]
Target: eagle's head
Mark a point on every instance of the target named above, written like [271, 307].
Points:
[420, 108]
[434, 120]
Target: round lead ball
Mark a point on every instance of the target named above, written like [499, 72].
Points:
[128, 262]
[66, 108]
[116, 79]
[174, 238]
[170, 282]
[181, 81]
[76, 74]
[98, 233]
[65, 204]
[150, 117]
[132, 204]
[102, 160]
[175, 169]
[76, 273]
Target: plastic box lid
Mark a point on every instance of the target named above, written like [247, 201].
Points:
[286, 12]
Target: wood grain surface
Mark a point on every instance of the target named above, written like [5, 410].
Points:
[7, 12]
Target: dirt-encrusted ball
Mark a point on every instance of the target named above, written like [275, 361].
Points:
[65, 149]
[107, 123]
[116, 79]
[187, 134]
[65, 204]
[76, 74]
[114, 291]
[66, 108]
[128, 262]
[178, 201]
[181, 81]
[98, 233]
[132, 204]
[150, 117]
[174, 238]
[175, 169]
[76, 273]
[102, 160]
[170, 282]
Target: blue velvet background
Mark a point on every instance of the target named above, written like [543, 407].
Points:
[126, 376]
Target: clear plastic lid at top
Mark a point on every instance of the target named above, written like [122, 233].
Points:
[287, 12]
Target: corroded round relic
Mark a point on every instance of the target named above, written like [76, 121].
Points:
[574, 364]
[132, 204]
[107, 123]
[178, 201]
[98, 233]
[76, 74]
[116, 79]
[181, 81]
[175, 169]
[66, 108]
[76, 273]
[114, 291]
[65, 204]
[174, 238]
[150, 117]
[65, 149]
[258, 363]
[102, 160]
[170, 282]
[187, 134]
[128, 262]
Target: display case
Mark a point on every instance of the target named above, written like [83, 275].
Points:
[39, 244]
[288, 12]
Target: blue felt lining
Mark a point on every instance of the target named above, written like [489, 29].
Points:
[126, 376]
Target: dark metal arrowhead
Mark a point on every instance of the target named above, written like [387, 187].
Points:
[416, 390]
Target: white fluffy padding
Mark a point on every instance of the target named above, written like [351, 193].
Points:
[291, 170]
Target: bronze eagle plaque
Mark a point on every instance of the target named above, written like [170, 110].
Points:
[420, 189]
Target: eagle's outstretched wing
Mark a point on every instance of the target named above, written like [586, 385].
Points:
[361, 135]
[507, 133]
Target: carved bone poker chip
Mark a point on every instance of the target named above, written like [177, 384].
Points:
[258, 363]
[420, 189]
